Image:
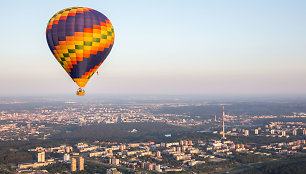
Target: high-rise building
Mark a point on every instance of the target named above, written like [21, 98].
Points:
[66, 157]
[158, 154]
[184, 148]
[184, 142]
[294, 132]
[73, 164]
[77, 164]
[283, 133]
[122, 147]
[81, 163]
[150, 166]
[69, 149]
[256, 131]
[246, 133]
[41, 157]
[114, 161]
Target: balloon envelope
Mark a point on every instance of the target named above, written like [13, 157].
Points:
[80, 38]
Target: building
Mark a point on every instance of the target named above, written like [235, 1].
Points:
[272, 131]
[69, 149]
[256, 131]
[36, 164]
[66, 157]
[150, 166]
[122, 147]
[246, 133]
[304, 132]
[77, 164]
[283, 133]
[294, 132]
[73, 164]
[114, 161]
[112, 171]
[143, 165]
[158, 154]
[173, 169]
[41, 157]
[157, 168]
[81, 163]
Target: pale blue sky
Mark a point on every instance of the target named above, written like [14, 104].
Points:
[165, 46]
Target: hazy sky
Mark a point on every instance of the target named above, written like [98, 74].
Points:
[165, 46]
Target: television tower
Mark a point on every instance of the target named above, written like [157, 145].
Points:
[223, 133]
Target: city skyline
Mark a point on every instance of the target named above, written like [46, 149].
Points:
[165, 47]
[152, 135]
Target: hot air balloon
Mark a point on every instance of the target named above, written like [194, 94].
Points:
[80, 38]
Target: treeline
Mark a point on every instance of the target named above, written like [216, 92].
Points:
[8, 156]
[249, 158]
[212, 167]
[296, 166]
[121, 132]
[239, 108]
[260, 140]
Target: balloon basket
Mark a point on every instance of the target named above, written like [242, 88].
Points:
[80, 91]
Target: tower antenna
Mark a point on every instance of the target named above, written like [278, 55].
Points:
[223, 133]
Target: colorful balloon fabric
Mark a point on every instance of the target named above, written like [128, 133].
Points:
[80, 38]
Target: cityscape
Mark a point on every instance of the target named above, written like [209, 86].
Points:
[188, 142]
